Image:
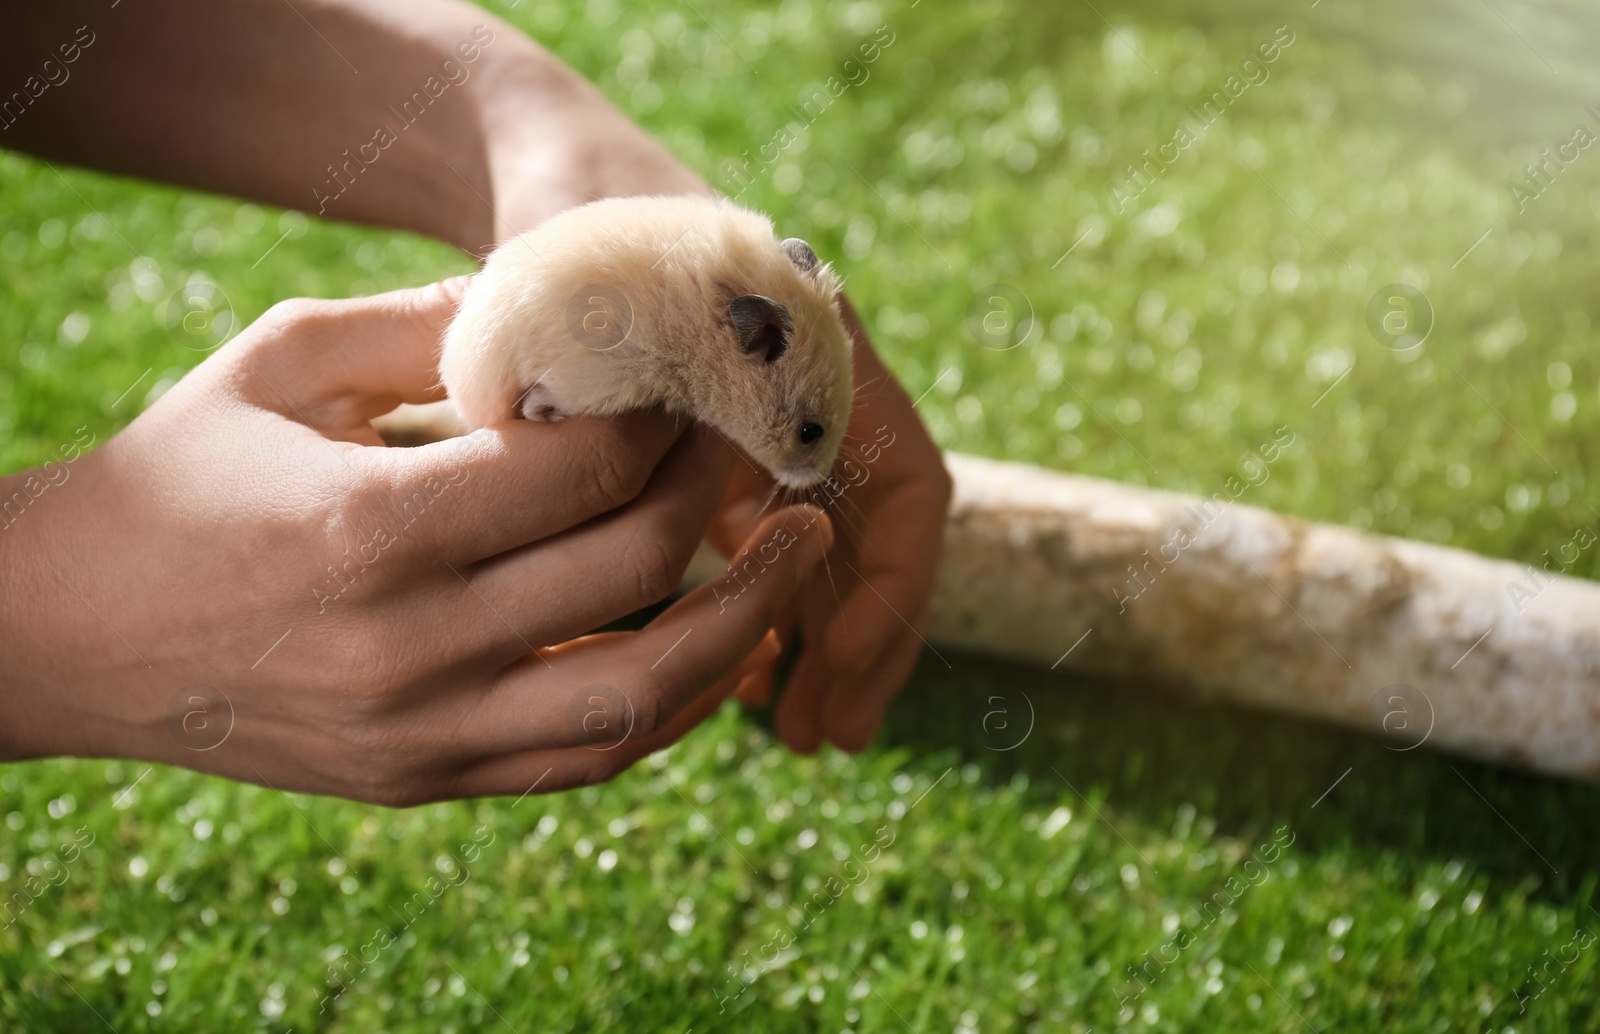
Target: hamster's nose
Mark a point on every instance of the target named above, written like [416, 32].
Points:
[810, 431]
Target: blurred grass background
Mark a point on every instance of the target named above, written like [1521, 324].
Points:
[1422, 893]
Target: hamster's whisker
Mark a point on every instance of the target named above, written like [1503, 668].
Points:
[863, 386]
[860, 443]
[834, 586]
[776, 488]
[858, 405]
[881, 382]
[813, 496]
[837, 513]
[859, 512]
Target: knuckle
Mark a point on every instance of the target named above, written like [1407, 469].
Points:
[373, 670]
[387, 769]
[276, 346]
[367, 750]
[296, 313]
[385, 508]
[372, 773]
[422, 307]
[597, 769]
[356, 537]
[650, 712]
[395, 793]
[613, 477]
[657, 566]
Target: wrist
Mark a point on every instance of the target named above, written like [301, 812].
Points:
[20, 634]
[551, 141]
[57, 693]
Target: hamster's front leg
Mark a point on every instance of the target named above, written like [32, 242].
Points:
[539, 403]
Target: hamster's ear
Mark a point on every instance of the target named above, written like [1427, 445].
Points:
[761, 325]
[800, 253]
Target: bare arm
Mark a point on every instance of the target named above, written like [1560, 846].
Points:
[425, 115]
[287, 102]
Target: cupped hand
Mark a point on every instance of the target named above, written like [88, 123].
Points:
[245, 582]
[861, 618]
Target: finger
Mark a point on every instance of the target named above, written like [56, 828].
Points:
[518, 482]
[762, 658]
[710, 631]
[827, 632]
[851, 716]
[570, 584]
[751, 692]
[842, 640]
[852, 635]
[650, 675]
[847, 637]
[547, 771]
[749, 497]
[339, 363]
[755, 675]
[849, 645]
[798, 721]
[755, 689]
[362, 435]
[788, 619]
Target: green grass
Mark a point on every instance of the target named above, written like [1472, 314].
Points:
[1023, 884]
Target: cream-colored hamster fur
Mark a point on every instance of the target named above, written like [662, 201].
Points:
[683, 302]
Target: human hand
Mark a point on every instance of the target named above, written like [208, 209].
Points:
[369, 622]
[861, 619]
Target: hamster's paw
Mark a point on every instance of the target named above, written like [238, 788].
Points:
[539, 403]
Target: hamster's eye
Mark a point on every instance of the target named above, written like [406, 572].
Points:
[810, 431]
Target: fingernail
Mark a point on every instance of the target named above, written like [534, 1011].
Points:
[755, 689]
[768, 650]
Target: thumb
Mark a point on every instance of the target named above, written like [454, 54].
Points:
[383, 347]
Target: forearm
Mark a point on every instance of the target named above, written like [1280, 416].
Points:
[428, 115]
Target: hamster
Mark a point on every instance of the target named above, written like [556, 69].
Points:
[684, 302]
